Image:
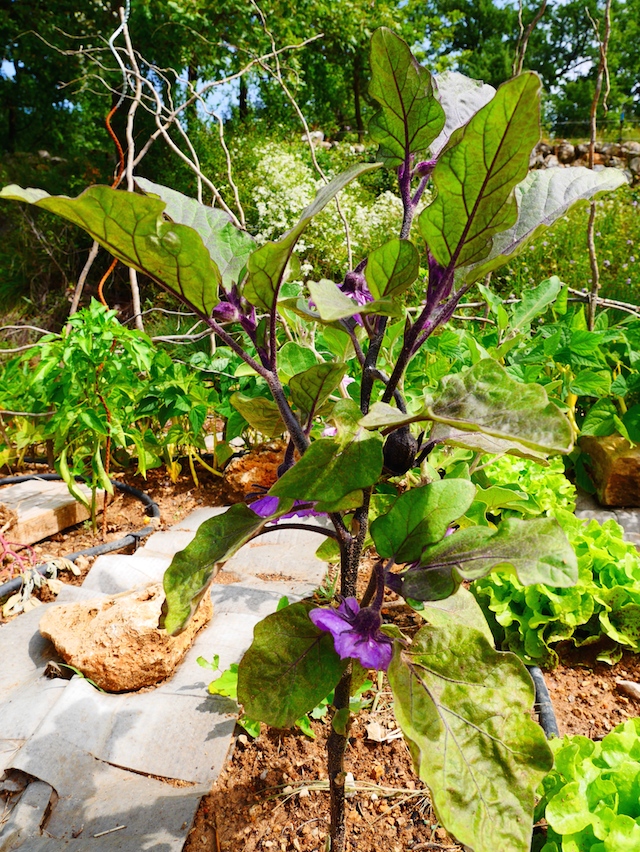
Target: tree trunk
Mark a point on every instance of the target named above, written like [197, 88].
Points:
[243, 103]
[191, 114]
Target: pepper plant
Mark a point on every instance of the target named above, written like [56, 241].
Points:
[462, 706]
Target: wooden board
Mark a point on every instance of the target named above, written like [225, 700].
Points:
[34, 510]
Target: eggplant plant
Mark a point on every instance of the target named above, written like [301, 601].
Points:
[463, 707]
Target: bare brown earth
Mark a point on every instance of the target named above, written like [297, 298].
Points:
[271, 794]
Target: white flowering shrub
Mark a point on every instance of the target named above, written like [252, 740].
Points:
[284, 184]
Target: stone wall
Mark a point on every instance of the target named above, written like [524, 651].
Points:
[563, 154]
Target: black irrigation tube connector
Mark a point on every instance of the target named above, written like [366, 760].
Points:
[546, 716]
[132, 538]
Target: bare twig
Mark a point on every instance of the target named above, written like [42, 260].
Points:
[25, 328]
[77, 293]
[602, 67]
[525, 35]
[277, 75]
[131, 152]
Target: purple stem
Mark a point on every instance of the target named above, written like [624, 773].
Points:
[293, 526]
[404, 182]
[418, 193]
[381, 573]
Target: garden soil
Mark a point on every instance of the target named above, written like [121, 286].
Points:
[271, 794]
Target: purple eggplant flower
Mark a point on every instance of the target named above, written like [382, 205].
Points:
[266, 506]
[226, 312]
[355, 285]
[356, 633]
[234, 308]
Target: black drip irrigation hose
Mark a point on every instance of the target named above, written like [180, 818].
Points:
[546, 716]
[132, 538]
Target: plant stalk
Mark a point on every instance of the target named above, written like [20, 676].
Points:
[336, 747]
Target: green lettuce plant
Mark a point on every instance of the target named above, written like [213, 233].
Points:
[603, 604]
[463, 707]
[591, 798]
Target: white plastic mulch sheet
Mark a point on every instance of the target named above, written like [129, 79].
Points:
[97, 750]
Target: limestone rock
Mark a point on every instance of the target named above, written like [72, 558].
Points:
[634, 165]
[116, 641]
[565, 152]
[614, 466]
[255, 472]
[631, 148]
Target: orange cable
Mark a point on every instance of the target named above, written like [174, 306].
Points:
[116, 181]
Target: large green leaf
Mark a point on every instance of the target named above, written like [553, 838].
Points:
[313, 387]
[289, 668]
[268, 263]
[333, 304]
[534, 302]
[293, 359]
[464, 711]
[261, 414]
[411, 117]
[477, 172]
[461, 97]
[133, 229]
[460, 608]
[420, 517]
[538, 550]
[392, 268]
[480, 442]
[187, 578]
[381, 415]
[328, 472]
[228, 246]
[542, 198]
[487, 399]
[498, 413]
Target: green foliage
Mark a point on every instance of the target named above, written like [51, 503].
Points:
[474, 198]
[100, 383]
[603, 603]
[547, 488]
[485, 399]
[590, 799]
[296, 659]
[462, 706]
[227, 685]
[411, 117]
[81, 389]
[192, 569]
[228, 246]
[132, 228]
[561, 251]
[268, 263]
[328, 472]
[392, 268]
[459, 704]
[420, 517]
[280, 182]
[543, 198]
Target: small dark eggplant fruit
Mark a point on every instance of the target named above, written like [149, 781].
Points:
[400, 451]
